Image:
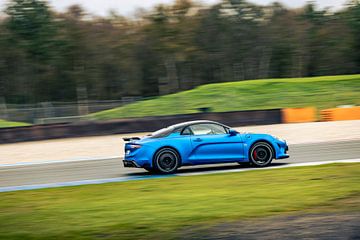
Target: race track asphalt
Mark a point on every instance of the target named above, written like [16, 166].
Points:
[112, 168]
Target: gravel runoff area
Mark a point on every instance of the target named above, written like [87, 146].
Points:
[104, 147]
[341, 225]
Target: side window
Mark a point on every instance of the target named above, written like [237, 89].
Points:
[186, 131]
[218, 129]
[208, 129]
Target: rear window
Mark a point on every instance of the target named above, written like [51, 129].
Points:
[164, 132]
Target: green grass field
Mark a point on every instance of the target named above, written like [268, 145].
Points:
[4, 124]
[161, 208]
[321, 92]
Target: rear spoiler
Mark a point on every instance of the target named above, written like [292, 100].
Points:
[129, 139]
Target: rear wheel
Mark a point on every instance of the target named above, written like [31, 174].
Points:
[151, 170]
[166, 161]
[244, 164]
[261, 154]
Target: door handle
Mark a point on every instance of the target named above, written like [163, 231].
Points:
[197, 140]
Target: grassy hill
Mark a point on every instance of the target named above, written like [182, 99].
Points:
[321, 92]
[4, 124]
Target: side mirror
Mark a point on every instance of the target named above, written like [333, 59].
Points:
[232, 132]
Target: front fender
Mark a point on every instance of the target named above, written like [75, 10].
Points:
[279, 147]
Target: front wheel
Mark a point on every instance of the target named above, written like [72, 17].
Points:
[166, 161]
[261, 154]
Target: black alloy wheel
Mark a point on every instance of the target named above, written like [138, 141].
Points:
[261, 154]
[166, 161]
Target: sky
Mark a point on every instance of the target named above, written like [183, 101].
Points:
[127, 7]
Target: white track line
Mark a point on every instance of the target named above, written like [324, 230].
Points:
[304, 164]
[20, 164]
[125, 179]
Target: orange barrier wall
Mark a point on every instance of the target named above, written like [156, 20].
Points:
[338, 114]
[297, 115]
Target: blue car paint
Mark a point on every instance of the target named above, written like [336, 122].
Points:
[202, 149]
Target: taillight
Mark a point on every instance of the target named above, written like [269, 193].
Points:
[134, 146]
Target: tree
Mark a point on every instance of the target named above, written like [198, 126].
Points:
[50, 56]
[31, 29]
[352, 15]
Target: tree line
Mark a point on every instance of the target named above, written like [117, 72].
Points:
[47, 55]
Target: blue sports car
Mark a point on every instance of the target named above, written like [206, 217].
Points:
[201, 142]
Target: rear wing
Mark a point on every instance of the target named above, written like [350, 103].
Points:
[129, 139]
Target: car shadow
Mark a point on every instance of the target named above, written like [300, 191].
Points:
[205, 168]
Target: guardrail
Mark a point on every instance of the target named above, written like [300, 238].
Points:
[122, 126]
[49, 112]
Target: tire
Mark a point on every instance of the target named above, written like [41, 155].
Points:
[150, 170]
[166, 161]
[244, 164]
[261, 154]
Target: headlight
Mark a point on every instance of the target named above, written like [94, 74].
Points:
[280, 139]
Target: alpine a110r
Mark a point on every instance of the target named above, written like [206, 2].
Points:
[201, 142]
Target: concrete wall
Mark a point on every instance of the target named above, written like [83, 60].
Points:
[147, 124]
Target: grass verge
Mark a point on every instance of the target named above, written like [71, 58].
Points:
[160, 208]
[321, 92]
[5, 124]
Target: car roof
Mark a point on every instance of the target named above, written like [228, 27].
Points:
[185, 124]
[166, 131]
